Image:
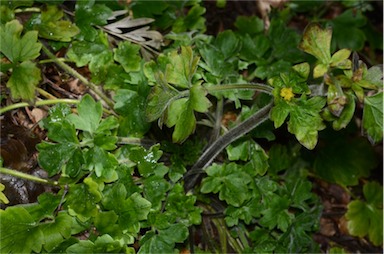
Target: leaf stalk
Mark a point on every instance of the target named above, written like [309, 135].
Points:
[22, 175]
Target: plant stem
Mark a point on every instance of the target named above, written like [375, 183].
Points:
[193, 175]
[37, 103]
[22, 175]
[249, 86]
[45, 94]
[77, 75]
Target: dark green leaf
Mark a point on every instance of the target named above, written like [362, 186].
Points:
[15, 47]
[53, 157]
[249, 25]
[25, 77]
[373, 117]
[344, 162]
[133, 108]
[88, 14]
[229, 181]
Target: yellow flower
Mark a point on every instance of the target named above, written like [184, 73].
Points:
[287, 93]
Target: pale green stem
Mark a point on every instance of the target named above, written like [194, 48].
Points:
[45, 94]
[37, 103]
[77, 75]
[249, 86]
[29, 9]
[25, 176]
[45, 61]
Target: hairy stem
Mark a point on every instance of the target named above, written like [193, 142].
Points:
[192, 176]
[248, 86]
[22, 175]
[77, 75]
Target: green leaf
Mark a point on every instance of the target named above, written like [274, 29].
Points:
[366, 218]
[176, 233]
[62, 132]
[228, 43]
[304, 121]
[82, 199]
[181, 115]
[277, 214]
[344, 162]
[183, 206]
[229, 181]
[250, 210]
[192, 21]
[249, 44]
[25, 77]
[133, 108]
[103, 244]
[89, 114]
[157, 102]
[102, 162]
[51, 26]
[20, 232]
[181, 67]
[15, 47]
[198, 98]
[249, 25]
[155, 189]
[317, 42]
[57, 231]
[53, 157]
[3, 198]
[353, 37]
[97, 53]
[373, 117]
[127, 54]
[346, 115]
[147, 160]
[249, 151]
[155, 244]
[89, 14]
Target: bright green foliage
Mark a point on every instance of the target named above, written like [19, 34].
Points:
[164, 241]
[345, 161]
[89, 115]
[82, 199]
[365, 218]
[373, 117]
[317, 42]
[164, 100]
[229, 181]
[3, 198]
[50, 25]
[304, 118]
[20, 50]
[127, 54]
[249, 151]
[116, 195]
[24, 230]
[103, 244]
[23, 81]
